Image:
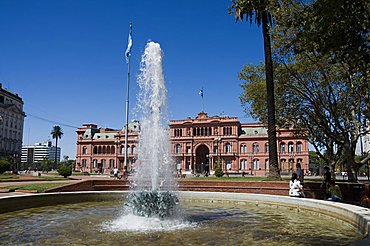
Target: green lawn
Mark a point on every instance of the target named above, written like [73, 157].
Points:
[7, 176]
[39, 187]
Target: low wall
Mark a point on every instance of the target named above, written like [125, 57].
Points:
[351, 191]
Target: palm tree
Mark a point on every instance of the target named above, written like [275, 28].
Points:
[258, 10]
[56, 133]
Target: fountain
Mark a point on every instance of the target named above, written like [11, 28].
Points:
[154, 179]
[149, 214]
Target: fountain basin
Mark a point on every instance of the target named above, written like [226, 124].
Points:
[220, 203]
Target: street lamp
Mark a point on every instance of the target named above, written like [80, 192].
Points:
[292, 155]
[250, 155]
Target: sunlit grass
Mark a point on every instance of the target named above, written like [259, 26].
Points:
[39, 187]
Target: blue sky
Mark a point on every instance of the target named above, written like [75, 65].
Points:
[66, 59]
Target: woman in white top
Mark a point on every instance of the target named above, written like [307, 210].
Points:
[296, 189]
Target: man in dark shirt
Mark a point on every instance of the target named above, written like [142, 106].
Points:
[326, 182]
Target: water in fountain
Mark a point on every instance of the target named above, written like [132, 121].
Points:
[153, 181]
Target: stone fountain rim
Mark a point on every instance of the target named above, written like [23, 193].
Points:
[355, 215]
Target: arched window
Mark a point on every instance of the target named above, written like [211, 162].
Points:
[83, 163]
[108, 149]
[290, 147]
[227, 147]
[103, 163]
[282, 147]
[99, 150]
[299, 147]
[95, 150]
[266, 147]
[133, 149]
[95, 163]
[128, 149]
[113, 150]
[256, 148]
[84, 150]
[256, 164]
[243, 148]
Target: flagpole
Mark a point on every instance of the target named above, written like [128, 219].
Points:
[202, 100]
[128, 59]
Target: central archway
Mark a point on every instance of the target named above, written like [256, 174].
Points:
[202, 159]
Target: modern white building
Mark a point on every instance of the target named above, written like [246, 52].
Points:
[11, 123]
[39, 152]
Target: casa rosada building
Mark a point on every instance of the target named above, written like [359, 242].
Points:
[196, 145]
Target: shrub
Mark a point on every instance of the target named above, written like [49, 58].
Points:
[4, 166]
[218, 168]
[64, 171]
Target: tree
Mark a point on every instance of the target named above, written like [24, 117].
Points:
[65, 171]
[4, 165]
[218, 168]
[326, 96]
[56, 133]
[260, 12]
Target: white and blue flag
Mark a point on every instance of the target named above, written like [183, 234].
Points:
[201, 93]
[129, 45]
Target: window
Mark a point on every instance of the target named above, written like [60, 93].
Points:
[95, 163]
[215, 149]
[228, 148]
[84, 150]
[267, 164]
[243, 165]
[111, 163]
[228, 164]
[290, 147]
[133, 149]
[178, 149]
[282, 148]
[187, 163]
[266, 147]
[103, 163]
[128, 149]
[83, 163]
[256, 148]
[256, 164]
[99, 150]
[299, 147]
[113, 150]
[188, 149]
[178, 164]
[243, 148]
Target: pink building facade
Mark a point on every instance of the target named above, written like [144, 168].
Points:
[243, 147]
[196, 145]
[102, 149]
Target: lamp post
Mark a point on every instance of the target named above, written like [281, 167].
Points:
[292, 155]
[250, 155]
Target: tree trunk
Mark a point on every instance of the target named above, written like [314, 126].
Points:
[56, 151]
[273, 158]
